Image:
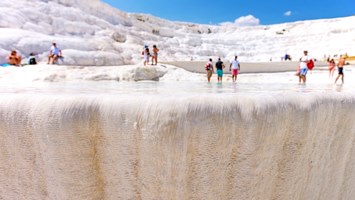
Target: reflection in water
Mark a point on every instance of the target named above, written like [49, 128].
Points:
[339, 87]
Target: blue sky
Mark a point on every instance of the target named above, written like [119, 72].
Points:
[219, 11]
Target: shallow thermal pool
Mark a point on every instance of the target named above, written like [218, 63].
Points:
[72, 134]
[179, 83]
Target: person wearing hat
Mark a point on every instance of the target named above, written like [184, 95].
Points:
[304, 60]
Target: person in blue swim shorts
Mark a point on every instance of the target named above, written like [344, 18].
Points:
[220, 66]
[303, 67]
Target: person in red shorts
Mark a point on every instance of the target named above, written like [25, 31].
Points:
[234, 67]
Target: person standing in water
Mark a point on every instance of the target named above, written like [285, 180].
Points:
[234, 67]
[219, 67]
[155, 55]
[303, 67]
[331, 64]
[146, 55]
[341, 64]
[209, 69]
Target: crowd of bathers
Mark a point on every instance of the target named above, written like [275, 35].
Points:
[55, 54]
[306, 63]
[15, 59]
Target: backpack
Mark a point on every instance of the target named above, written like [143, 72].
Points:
[208, 66]
[32, 61]
[310, 64]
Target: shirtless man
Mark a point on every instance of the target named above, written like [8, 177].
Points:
[14, 59]
[341, 64]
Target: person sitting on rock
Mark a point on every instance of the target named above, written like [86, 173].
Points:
[32, 59]
[54, 54]
[14, 59]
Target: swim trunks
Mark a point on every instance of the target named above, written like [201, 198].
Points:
[234, 72]
[219, 73]
[303, 72]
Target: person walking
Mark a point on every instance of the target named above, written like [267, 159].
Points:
[304, 60]
[234, 67]
[209, 69]
[219, 66]
[341, 64]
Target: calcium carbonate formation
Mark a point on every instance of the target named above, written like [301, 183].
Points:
[95, 34]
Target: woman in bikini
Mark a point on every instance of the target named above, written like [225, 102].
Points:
[155, 55]
[331, 63]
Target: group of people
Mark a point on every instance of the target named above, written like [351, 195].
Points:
[234, 67]
[146, 54]
[55, 53]
[305, 64]
[15, 59]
